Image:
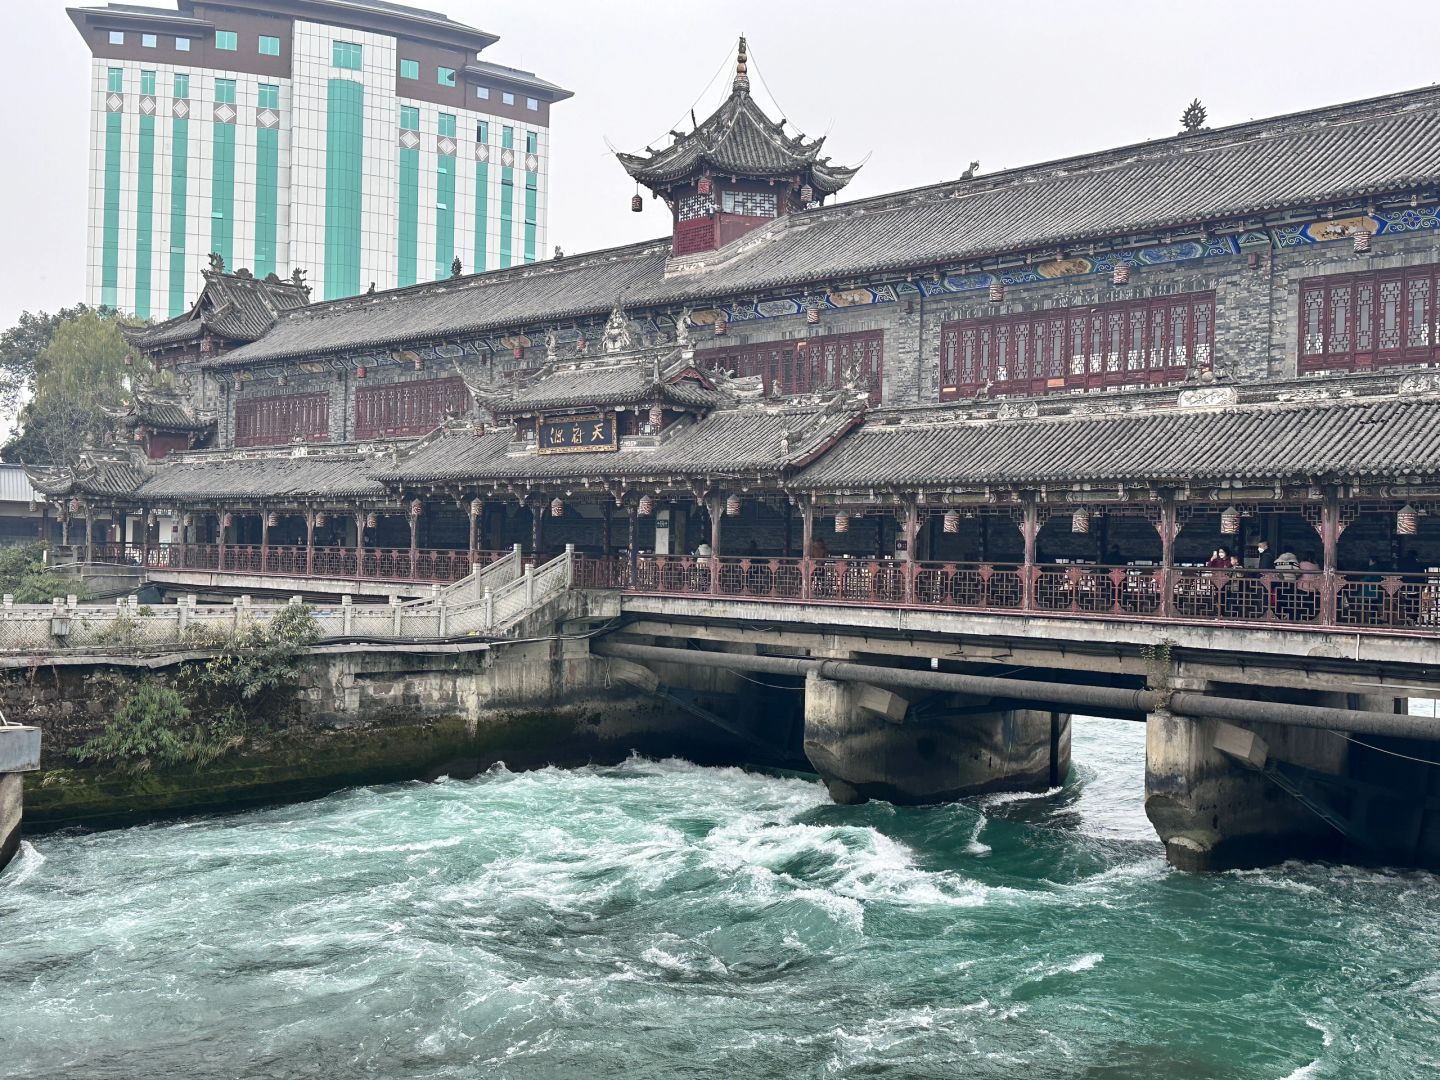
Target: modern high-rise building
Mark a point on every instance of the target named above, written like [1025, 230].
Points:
[364, 142]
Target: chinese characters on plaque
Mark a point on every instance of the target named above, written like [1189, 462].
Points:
[590, 434]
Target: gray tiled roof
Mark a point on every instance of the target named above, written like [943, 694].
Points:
[620, 383]
[740, 140]
[1366, 438]
[236, 306]
[266, 479]
[92, 475]
[728, 442]
[1346, 151]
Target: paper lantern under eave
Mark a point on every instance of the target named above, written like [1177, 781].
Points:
[1229, 521]
[1407, 521]
[1080, 521]
[952, 521]
[842, 522]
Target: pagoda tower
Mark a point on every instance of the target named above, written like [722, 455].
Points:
[736, 172]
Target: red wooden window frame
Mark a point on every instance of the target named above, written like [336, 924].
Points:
[1105, 346]
[269, 421]
[408, 408]
[818, 363]
[1358, 322]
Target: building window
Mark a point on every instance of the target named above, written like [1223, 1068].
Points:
[115, 80]
[410, 69]
[227, 40]
[224, 91]
[532, 104]
[345, 54]
[696, 206]
[147, 82]
[749, 203]
[507, 99]
[482, 132]
[412, 408]
[819, 363]
[1356, 322]
[148, 41]
[1104, 347]
[447, 124]
[276, 420]
[532, 143]
[117, 37]
[269, 96]
[445, 76]
[182, 44]
[269, 46]
[483, 93]
[409, 118]
[182, 86]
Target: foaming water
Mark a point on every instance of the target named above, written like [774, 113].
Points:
[658, 919]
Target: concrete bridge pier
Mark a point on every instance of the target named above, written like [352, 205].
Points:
[19, 753]
[866, 742]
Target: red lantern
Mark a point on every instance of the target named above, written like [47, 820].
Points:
[952, 521]
[720, 326]
[997, 292]
[703, 185]
[647, 506]
[282, 380]
[1362, 242]
[360, 372]
[417, 508]
[1122, 273]
[812, 312]
[272, 519]
[419, 363]
[519, 352]
[637, 204]
[371, 520]
[807, 194]
[657, 416]
[842, 522]
[732, 506]
[557, 508]
[1407, 521]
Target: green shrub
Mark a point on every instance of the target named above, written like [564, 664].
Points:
[24, 575]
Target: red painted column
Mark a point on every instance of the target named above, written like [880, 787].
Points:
[220, 543]
[717, 508]
[1330, 540]
[310, 543]
[807, 537]
[1029, 532]
[416, 509]
[360, 517]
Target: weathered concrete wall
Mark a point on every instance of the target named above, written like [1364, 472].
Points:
[867, 742]
[19, 753]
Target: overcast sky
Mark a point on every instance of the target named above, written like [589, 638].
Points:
[921, 87]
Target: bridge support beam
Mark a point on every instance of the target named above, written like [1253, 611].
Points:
[866, 741]
[1222, 796]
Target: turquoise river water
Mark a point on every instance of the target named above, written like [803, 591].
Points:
[657, 919]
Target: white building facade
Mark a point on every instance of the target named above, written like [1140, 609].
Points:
[361, 142]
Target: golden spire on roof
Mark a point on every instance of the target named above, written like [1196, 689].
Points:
[742, 80]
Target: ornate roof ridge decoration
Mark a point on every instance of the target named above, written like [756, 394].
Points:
[96, 472]
[236, 306]
[739, 140]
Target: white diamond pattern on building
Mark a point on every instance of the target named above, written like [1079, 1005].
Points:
[225, 113]
[114, 103]
[446, 146]
[507, 157]
[181, 108]
[267, 118]
[147, 105]
[482, 152]
[532, 163]
[409, 140]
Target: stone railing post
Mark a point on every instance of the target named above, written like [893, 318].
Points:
[443, 616]
[395, 615]
[529, 586]
[488, 600]
[182, 613]
[569, 565]
[347, 614]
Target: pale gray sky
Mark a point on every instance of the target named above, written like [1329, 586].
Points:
[924, 87]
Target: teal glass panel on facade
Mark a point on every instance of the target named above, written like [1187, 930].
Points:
[444, 215]
[408, 234]
[346, 54]
[179, 188]
[532, 198]
[222, 179]
[145, 202]
[344, 173]
[269, 46]
[267, 184]
[482, 197]
[445, 76]
[507, 199]
[226, 40]
[110, 207]
[410, 69]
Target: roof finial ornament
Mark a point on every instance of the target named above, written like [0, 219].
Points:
[217, 262]
[1193, 118]
[969, 174]
[617, 337]
[742, 80]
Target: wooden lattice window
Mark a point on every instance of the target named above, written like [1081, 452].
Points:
[820, 363]
[1357, 322]
[274, 420]
[409, 408]
[1107, 346]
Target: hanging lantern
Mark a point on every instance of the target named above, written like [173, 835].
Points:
[519, 351]
[1122, 273]
[272, 519]
[720, 326]
[557, 508]
[477, 508]
[842, 522]
[807, 194]
[732, 506]
[187, 521]
[637, 204]
[419, 363]
[1080, 520]
[227, 521]
[952, 521]
[371, 520]
[152, 519]
[282, 380]
[417, 508]
[1362, 242]
[703, 185]
[1407, 521]
[812, 312]
[75, 506]
[360, 372]
[657, 416]
[320, 519]
[139, 435]
[1230, 521]
[646, 507]
[997, 292]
